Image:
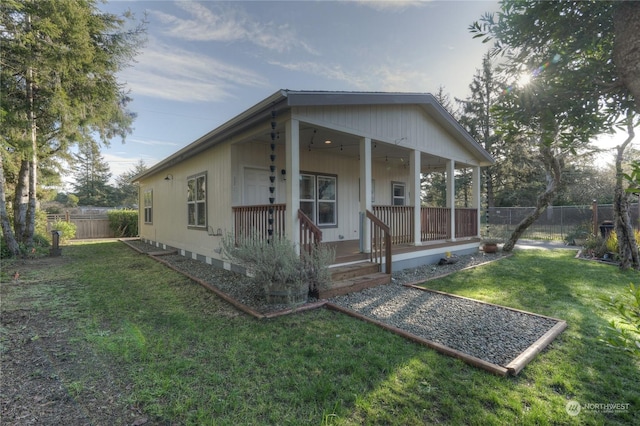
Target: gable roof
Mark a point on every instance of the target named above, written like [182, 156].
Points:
[284, 100]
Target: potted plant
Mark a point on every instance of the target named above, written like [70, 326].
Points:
[274, 264]
[490, 246]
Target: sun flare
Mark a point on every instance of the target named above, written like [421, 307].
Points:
[524, 79]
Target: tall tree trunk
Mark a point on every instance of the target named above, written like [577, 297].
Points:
[627, 245]
[488, 178]
[7, 232]
[21, 202]
[626, 47]
[33, 166]
[553, 165]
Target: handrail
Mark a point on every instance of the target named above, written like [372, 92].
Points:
[380, 239]
[310, 234]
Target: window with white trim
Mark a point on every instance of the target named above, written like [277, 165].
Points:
[197, 201]
[148, 206]
[318, 198]
[397, 193]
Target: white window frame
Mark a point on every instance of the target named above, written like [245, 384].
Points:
[148, 206]
[397, 200]
[317, 201]
[197, 200]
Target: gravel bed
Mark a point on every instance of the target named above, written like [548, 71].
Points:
[491, 333]
[488, 332]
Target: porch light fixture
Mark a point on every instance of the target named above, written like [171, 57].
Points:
[327, 142]
[169, 177]
[283, 172]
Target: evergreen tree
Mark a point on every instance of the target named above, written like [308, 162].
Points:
[58, 87]
[477, 117]
[126, 192]
[444, 99]
[92, 176]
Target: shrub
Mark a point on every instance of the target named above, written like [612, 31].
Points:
[275, 264]
[4, 250]
[595, 246]
[53, 210]
[627, 330]
[42, 241]
[316, 268]
[579, 232]
[123, 223]
[67, 229]
[612, 242]
[41, 223]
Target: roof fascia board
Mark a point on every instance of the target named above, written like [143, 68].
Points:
[446, 120]
[353, 98]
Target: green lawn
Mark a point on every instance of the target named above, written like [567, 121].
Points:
[187, 358]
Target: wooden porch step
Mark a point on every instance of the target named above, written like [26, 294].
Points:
[351, 285]
[354, 270]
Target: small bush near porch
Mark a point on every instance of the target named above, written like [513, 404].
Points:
[104, 335]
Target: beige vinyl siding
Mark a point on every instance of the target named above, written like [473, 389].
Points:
[170, 202]
[255, 155]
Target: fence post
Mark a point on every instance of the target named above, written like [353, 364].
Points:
[561, 222]
[594, 206]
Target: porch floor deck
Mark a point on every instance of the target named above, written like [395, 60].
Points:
[349, 250]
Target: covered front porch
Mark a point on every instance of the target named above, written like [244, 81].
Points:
[352, 174]
[438, 229]
[358, 265]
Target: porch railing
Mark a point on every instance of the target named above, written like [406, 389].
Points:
[466, 222]
[435, 223]
[250, 220]
[399, 219]
[310, 234]
[380, 242]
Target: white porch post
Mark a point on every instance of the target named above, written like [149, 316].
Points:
[416, 192]
[477, 194]
[292, 164]
[365, 191]
[451, 196]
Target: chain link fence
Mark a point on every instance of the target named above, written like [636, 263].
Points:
[554, 224]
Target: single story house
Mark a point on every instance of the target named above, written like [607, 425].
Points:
[343, 168]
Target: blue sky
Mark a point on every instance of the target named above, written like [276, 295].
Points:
[207, 61]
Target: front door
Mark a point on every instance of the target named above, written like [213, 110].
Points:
[256, 186]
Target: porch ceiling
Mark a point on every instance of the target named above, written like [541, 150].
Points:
[314, 138]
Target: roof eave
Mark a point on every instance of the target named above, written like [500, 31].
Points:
[215, 136]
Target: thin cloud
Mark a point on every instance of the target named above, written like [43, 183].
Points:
[221, 22]
[335, 72]
[171, 73]
[388, 78]
[151, 142]
[392, 5]
[398, 79]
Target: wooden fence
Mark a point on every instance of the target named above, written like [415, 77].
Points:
[87, 225]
